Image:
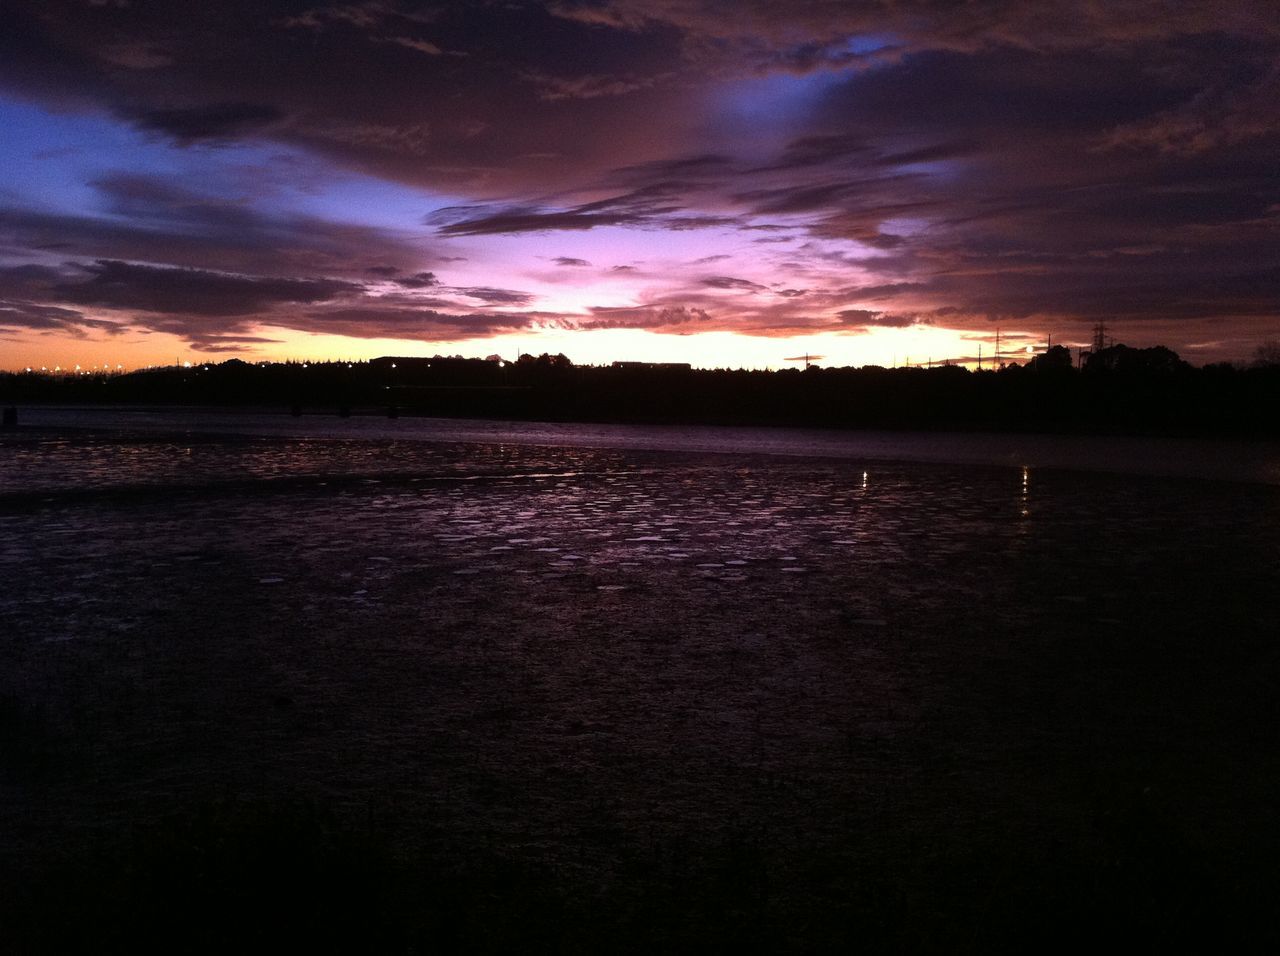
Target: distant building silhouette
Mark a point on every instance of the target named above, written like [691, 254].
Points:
[663, 366]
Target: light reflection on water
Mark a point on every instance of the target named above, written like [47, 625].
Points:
[514, 635]
[1225, 460]
[499, 509]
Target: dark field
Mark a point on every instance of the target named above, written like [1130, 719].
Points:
[334, 695]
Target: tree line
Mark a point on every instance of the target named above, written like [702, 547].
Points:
[1119, 390]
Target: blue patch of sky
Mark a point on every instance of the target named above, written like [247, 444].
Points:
[52, 159]
[782, 100]
[342, 196]
[777, 97]
[869, 43]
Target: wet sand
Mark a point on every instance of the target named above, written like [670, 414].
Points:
[683, 695]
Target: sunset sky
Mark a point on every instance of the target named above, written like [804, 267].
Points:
[721, 183]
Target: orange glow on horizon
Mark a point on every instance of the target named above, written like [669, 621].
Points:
[918, 345]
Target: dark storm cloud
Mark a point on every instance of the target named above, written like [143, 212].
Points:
[655, 205]
[154, 219]
[588, 87]
[405, 322]
[462, 94]
[929, 154]
[216, 121]
[764, 27]
[30, 315]
[886, 291]
[212, 338]
[1050, 162]
[420, 280]
[219, 342]
[496, 296]
[1041, 214]
[866, 318]
[28, 280]
[731, 282]
[528, 219]
[129, 286]
[530, 78]
[669, 318]
[25, 293]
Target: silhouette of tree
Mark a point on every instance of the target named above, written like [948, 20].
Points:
[1058, 357]
[1267, 355]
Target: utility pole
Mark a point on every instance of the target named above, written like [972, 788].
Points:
[1099, 337]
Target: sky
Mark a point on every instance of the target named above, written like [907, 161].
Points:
[729, 184]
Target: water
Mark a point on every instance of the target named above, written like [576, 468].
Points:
[1257, 461]
[567, 642]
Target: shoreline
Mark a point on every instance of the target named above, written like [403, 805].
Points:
[1244, 460]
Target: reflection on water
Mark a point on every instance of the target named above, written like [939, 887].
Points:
[591, 518]
[1226, 460]
[504, 640]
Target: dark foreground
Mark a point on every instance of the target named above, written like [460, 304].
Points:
[1121, 391]
[493, 698]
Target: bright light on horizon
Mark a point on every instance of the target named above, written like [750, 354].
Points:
[917, 345]
[720, 349]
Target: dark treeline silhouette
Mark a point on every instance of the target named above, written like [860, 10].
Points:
[1118, 390]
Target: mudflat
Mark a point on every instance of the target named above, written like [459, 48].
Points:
[490, 694]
